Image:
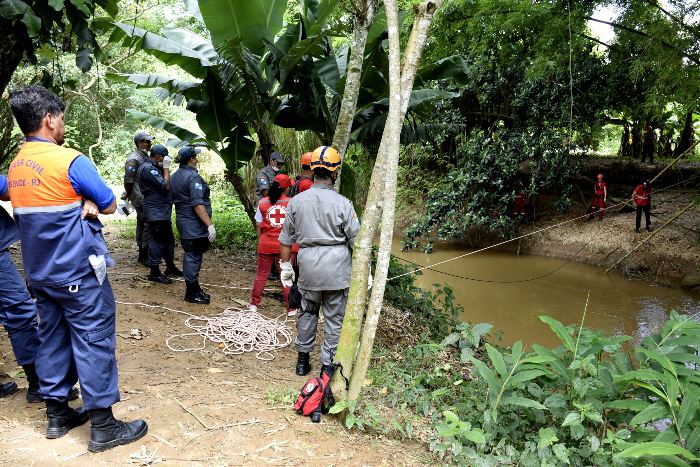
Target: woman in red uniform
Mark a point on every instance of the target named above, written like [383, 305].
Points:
[601, 196]
[269, 220]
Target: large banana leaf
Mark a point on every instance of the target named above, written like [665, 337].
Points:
[157, 122]
[450, 67]
[192, 41]
[214, 118]
[239, 149]
[192, 7]
[189, 89]
[167, 51]
[253, 20]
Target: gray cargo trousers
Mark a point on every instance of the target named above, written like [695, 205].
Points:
[143, 233]
[334, 302]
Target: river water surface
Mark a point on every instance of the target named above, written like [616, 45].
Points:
[617, 305]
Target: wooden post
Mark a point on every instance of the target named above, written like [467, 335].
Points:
[652, 235]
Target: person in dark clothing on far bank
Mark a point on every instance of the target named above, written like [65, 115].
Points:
[642, 198]
[154, 180]
[190, 194]
[649, 144]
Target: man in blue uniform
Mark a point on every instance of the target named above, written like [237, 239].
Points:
[17, 309]
[154, 180]
[56, 195]
[190, 195]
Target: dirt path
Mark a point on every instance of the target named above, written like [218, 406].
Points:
[244, 402]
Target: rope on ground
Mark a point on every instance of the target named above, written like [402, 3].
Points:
[607, 208]
[236, 330]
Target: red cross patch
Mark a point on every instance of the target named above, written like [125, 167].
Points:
[276, 215]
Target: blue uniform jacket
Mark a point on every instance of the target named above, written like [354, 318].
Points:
[157, 202]
[188, 189]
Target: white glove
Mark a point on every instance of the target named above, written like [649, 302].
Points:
[124, 195]
[286, 273]
[128, 205]
[212, 233]
[166, 162]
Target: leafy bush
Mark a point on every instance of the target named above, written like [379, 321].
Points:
[481, 192]
[585, 402]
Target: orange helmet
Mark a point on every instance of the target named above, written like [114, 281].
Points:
[325, 157]
[306, 158]
[600, 175]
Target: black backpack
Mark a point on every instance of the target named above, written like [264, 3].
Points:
[294, 190]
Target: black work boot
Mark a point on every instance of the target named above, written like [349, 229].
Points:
[108, 432]
[7, 389]
[638, 231]
[157, 276]
[193, 294]
[303, 365]
[648, 229]
[172, 270]
[62, 418]
[206, 295]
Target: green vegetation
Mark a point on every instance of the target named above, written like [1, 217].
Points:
[586, 402]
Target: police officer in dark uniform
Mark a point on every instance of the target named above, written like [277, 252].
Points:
[190, 195]
[142, 140]
[263, 179]
[154, 179]
[17, 309]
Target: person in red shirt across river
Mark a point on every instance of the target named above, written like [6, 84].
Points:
[601, 196]
[642, 198]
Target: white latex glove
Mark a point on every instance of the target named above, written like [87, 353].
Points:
[166, 162]
[128, 205]
[286, 273]
[212, 233]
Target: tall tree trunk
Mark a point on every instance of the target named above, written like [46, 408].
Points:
[237, 183]
[363, 21]
[637, 131]
[354, 312]
[393, 132]
[686, 137]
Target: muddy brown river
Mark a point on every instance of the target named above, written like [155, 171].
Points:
[617, 305]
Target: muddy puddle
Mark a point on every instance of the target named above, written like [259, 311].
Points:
[616, 304]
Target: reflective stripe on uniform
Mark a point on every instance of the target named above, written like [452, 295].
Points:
[33, 209]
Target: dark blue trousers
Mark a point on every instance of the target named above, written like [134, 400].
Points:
[192, 261]
[77, 332]
[17, 312]
[162, 243]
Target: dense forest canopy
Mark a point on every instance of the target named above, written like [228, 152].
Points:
[517, 82]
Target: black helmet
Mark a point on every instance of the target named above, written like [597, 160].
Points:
[646, 183]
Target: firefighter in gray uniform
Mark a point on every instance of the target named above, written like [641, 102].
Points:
[154, 180]
[190, 195]
[263, 180]
[133, 191]
[324, 225]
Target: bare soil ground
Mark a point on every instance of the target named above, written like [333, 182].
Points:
[203, 408]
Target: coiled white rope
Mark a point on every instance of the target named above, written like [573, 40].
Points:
[237, 330]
